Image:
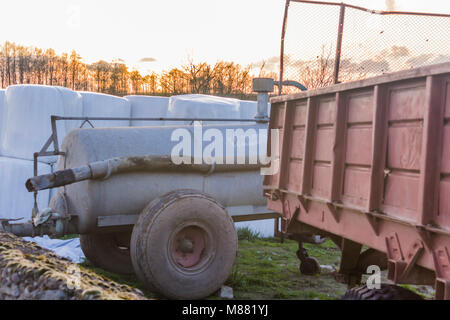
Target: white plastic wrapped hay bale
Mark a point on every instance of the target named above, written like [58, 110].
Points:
[264, 228]
[15, 201]
[2, 111]
[148, 107]
[105, 105]
[26, 124]
[202, 106]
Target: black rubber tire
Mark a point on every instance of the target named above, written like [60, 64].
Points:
[136, 243]
[310, 266]
[103, 251]
[136, 246]
[156, 227]
[386, 292]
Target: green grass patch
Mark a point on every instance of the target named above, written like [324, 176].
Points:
[247, 234]
[66, 237]
[265, 268]
[269, 269]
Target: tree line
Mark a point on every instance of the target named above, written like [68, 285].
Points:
[30, 65]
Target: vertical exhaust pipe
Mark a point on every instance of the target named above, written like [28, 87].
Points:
[262, 86]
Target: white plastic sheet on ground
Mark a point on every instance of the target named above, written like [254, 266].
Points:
[26, 125]
[148, 107]
[2, 111]
[105, 105]
[70, 249]
[15, 201]
[202, 106]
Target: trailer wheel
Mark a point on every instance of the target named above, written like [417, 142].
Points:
[386, 292]
[310, 266]
[184, 245]
[108, 251]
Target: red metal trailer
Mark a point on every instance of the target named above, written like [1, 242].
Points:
[368, 163]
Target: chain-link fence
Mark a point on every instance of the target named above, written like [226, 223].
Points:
[326, 42]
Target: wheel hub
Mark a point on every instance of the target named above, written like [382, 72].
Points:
[188, 246]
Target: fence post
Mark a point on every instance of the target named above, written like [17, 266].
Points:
[283, 33]
[337, 59]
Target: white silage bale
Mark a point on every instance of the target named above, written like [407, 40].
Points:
[15, 201]
[148, 107]
[202, 106]
[2, 117]
[26, 123]
[105, 105]
[265, 228]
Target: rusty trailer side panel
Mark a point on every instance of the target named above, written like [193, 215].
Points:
[369, 161]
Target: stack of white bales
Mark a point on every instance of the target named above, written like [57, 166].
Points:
[25, 112]
[2, 111]
[15, 201]
[25, 126]
[148, 107]
[202, 106]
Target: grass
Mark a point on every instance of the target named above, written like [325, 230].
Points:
[265, 268]
[247, 234]
[66, 237]
[269, 269]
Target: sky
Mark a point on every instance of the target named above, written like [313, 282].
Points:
[156, 35]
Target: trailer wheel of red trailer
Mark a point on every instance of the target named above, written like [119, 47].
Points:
[310, 266]
[385, 292]
[109, 251]
[184, 245]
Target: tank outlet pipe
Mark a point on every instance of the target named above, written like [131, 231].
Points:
[106, 168]
[28, 229]
[56, 224]
[262, 86]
